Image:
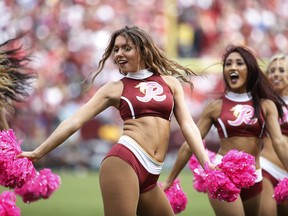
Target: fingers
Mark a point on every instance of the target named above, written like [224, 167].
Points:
[19, 155]
[28, 155]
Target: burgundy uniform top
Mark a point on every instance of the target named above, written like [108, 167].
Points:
[149, 96]
[284, 121]
[236, 118]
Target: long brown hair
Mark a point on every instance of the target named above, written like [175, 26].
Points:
[16, 78]
[257, 83]
[155, 59]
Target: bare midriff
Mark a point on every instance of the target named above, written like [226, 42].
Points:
[151, 133]
[250, 145]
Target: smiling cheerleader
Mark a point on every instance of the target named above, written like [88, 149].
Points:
[243, 115]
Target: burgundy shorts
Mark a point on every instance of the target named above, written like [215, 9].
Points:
[248, 193]
[147, 181]
[268, 176]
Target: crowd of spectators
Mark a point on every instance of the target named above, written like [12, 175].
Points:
[205, 27]
[68, 38]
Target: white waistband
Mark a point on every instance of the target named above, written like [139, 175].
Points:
[150, 164]
[218, 159]
[273, 169]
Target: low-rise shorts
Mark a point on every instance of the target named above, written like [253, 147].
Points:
[146, 168]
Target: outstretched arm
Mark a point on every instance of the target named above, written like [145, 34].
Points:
[106, 96]
[190, 132]
[204, 124]
[188, 127]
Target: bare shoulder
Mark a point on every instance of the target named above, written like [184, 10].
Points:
[173, 83]
[213, 108]
[111, 90]
[114, 84]
[170, 80]
[215, 103]
[267, 104]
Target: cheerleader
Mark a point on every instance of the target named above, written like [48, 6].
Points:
[248, 108]
[273, 169]
[146, 98]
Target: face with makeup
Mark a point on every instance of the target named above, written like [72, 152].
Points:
[277, 74]
[235, 72]
[127, 56]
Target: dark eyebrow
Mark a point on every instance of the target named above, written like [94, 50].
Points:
[123, 45]
[238, 59]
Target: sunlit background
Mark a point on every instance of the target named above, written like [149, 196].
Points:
[68, 39]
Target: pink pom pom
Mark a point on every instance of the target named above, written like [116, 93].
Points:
[177, 197]
[42, 186]
[198, 172]
[237, 170]
[199, 180]
[239, 167]
[9, 141]
[8, 204]
[14, 172]
[220, 187]
[281, 191]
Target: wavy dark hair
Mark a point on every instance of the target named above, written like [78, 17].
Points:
[155, 59]
[16, 78]
[257, 83]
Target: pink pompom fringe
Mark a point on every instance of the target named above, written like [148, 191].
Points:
[220, 187]
[14, 172]
[8, 204]
[199, 174]
[236, 171]
[281, 191]
[177, 197]
[240, 168]
[40, 187]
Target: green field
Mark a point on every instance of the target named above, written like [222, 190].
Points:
[79, 194]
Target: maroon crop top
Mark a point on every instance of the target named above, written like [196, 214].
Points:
[236, 118]
[146, 97]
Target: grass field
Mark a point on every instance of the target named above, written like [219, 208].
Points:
[79, 194]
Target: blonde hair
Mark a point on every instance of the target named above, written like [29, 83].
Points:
[277, 57]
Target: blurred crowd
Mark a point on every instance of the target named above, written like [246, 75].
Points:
[205, 27]
[68, 38]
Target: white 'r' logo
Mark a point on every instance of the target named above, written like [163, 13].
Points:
[243, 113]
[152, 90]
